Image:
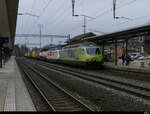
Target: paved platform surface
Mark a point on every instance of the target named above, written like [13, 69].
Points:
[13, 93]
[130, 67]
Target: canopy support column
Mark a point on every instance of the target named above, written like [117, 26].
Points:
[126, 48]
[1, 56]
[116, 59]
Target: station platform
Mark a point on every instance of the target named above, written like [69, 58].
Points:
[13, 92]
[133, 67]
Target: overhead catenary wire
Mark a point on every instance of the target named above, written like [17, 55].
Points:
[77, 6]
[78, 2]
[58, 15]
[106, 12]
[62, 18]
[57, 21]
[65, 14]
[134, 19]
[26, 21]
[40, 15]
[33, 6]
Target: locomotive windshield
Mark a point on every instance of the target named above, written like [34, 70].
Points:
[93, 51]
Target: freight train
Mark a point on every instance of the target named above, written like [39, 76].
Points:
[86, 53]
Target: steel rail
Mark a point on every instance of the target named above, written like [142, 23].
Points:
[130, 88]
[60, 88]
[86, 108]
[26, 72]
[87, 74]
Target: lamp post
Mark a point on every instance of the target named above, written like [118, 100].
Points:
[40, 25]
[33, 15]
[85, 16]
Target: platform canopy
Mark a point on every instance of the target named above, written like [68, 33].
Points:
[8, 18]
[122, 35]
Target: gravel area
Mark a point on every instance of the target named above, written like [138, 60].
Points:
[122, 76]
[76, 95]
[101, 97]
[39, 102]
[104, 97]
[36, 97]
[141, 80]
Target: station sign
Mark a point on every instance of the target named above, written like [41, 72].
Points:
[4, 40]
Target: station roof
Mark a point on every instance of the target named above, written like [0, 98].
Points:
[8, 14]
[81, 37]
[122, 35]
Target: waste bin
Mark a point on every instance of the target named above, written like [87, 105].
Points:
[142, 64]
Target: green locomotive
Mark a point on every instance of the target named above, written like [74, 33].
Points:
[82, 54]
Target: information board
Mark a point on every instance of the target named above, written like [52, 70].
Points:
[4, 40]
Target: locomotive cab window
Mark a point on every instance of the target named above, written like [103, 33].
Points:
[93, 51]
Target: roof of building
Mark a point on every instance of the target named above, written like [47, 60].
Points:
[52, 46]
[8, 20]
[83, 44]
[81, 37]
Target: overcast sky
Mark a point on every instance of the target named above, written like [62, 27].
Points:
[56, 17]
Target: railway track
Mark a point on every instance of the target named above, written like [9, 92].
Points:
[55, 96]
[137, 90]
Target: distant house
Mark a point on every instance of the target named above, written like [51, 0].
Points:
[79, 38]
